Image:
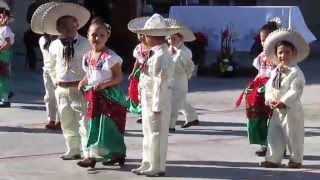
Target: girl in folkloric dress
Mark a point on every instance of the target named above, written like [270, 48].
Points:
[258, 114]
[141, 53]
[106, 109]
[285, 48]
[6, 41]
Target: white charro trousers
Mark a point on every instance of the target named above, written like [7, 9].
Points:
[285, 131]
[155, 131]
[286, 126]
[72, 108]
[179, 101]
[49, 98]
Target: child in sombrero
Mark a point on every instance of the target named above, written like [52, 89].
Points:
[66, 52]
[285, 48]
[182, 57]
[44, 43]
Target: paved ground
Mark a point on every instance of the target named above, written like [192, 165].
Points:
[217, 149]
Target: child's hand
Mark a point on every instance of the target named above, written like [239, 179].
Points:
[280, 105]
[81, 85]
[272, 104]
[98, 86]
[130, 76]
[277, 104]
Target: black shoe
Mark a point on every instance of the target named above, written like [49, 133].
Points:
[5, 104]
[139, 121]
[172, 129]
[285, 154]
[262, 152]
[191, 123]
[121, 160]
[91, 164]
[11, 94]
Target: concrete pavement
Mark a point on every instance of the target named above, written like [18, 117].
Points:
[216, 149]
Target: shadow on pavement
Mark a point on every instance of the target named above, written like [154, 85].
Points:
[28, 130]
[218, 170]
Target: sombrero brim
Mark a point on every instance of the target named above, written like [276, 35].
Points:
[187, 34]
[4, 5]
[57, 11]
[137, 26]
[38, 15]
[300, 44]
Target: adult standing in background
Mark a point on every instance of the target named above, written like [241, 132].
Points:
[30, 38]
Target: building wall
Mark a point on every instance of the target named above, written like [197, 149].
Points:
[19, 25]
[309, 9]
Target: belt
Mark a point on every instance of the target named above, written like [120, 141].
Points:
[68, 84]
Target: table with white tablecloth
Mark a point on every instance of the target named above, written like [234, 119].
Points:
[246, 21]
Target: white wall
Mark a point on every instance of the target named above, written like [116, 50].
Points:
[20, 25]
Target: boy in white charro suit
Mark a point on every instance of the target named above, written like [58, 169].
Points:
[155, 91]
[64, 19]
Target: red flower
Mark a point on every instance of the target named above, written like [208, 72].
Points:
[225, 34]
[201, 39]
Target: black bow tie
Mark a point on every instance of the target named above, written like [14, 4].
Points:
[68, 41]
[68, 49]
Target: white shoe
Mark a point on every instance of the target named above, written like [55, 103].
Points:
[145, 166]
[153, 173]
[71, 155]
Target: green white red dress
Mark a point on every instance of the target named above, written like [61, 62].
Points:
[106, 109]
[5, 58]
[258, 114]
[133, 99]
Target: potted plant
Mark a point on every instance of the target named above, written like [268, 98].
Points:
[198, 48]
[226, 65]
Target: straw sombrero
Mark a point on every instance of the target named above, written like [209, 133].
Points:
[37, 16]
[5, 9]
[155, 25]
[187, 34]
[4, 5]
[57, 11]
[300, 44]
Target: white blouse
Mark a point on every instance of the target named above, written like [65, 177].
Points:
[5, 32]
[100, 70]
[263, 65]
[139, 54]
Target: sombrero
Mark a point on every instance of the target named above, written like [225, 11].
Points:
[187, 34]
[59, 10]
[5, 9]
[301, 45]
[38, 15]
[4, 5]
[155, 25]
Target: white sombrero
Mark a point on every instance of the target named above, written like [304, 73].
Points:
[37, 16]
[187, 34]
[155, 25]
[300, 44]
[4, 5]
[6, 10]
[57, 11]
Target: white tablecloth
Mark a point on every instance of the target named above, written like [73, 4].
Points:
[246, 20]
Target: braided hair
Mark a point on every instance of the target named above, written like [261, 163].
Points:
[269, 27]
